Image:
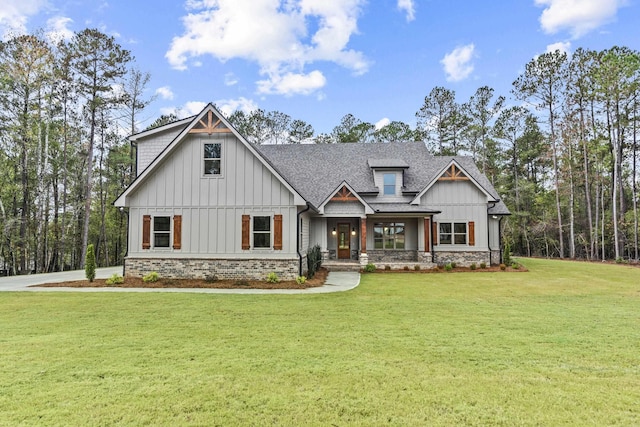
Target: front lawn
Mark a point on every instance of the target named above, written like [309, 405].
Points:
[558, 345]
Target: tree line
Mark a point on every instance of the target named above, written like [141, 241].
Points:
[561, 149]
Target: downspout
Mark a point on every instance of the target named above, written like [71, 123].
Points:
[298, 237]
[489, 235]
[500, 236]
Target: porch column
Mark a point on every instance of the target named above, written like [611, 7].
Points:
[427, 230]
[364, 258]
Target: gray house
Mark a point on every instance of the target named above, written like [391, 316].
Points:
[208, 203]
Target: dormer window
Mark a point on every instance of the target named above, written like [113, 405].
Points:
[389, 182]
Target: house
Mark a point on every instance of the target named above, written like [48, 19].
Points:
[208, 203]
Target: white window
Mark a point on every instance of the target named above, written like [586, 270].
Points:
[453, 233]
[161, 231]
[389, 182]
[261, 231]
[212, 158]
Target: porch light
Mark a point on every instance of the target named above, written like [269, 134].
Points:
[333, 231]
[353, 231]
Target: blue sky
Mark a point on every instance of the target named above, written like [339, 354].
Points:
[318, 60]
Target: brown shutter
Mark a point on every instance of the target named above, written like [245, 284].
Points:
[177, 232]
[472, 233]
[434, 233]
[277, 232]
[246, 231]
[427, 226]
[146, 231]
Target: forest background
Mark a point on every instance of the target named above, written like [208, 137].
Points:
[561, 149]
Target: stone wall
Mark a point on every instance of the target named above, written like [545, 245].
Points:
[462, 259]
[177, 268]
[390, 256]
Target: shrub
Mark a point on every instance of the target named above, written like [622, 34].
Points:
[300, 280]
[90, 264]
[448, 267]
[241, 282]
[473, 266]
[453, 265]
[405, 268]
[151, 277]
[416, 267]
[272, 277]
[506, 256]
[314, 260]
[440, 266]
[211, 279]
[503, 267]
[387, 267]
[116, 279]
[369, 268]
[483, 265]
[515, 266]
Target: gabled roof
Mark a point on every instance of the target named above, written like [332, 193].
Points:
[202, 123]
[353, 193]
[318, 170]
[149, 132]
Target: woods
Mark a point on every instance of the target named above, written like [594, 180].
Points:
[561, 148]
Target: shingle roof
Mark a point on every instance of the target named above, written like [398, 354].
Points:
[316, 170]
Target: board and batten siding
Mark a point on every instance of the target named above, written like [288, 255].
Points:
[459, 201]
[212, 206]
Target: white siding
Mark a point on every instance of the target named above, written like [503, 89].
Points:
[212, 206]
[459, 201]
[344, 208]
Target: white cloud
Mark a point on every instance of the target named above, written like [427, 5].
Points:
[58, 30]
[457, 64]
[14, 15]
[577, 16]
[284, 37]
[165, 92]
[230, 79]
[292, 83]
[228, 106]
[191, 108]
[561, 46]
[382, 123]
[409, 7]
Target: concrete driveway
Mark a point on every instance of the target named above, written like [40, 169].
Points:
[22, 283]
[337, 281]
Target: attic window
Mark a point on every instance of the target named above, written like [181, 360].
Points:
[389, 182]
[452, 173]
[212, 158]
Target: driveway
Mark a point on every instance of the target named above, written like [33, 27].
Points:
[337, 281]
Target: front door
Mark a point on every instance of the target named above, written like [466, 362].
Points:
[344, 241]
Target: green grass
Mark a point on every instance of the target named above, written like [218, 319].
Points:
[559, 345]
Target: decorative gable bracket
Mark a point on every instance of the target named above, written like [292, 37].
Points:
[210, 124]
[453, 173]
[344, 195]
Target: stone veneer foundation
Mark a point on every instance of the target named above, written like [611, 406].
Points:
[202, 268]
[462, 259]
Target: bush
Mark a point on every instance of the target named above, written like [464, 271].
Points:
[503, 267]
[211, 279]
[448, 267]
[241, 282]
[369, 268]
[116, 279]
[151, 277]
[515, 266]
[300, 280]
[314, 260]
[387, 267]
[405, 268]
[272, 278]
[453, 265]
[483, 265]
[440, 266]
[90, 264]
[416, 267]
[473, 266]
[506, 256]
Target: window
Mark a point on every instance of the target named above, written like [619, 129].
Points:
[161, 229]
[212, 158]
[261, 231]
[453, 233]
[388, 235]
[389, 181]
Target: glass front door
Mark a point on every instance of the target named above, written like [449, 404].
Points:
[344, 241]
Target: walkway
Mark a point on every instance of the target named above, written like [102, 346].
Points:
[337, 281]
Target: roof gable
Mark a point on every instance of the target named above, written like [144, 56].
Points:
[344, 193]
[209, 121]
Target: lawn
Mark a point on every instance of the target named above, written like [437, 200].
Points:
[558, 345]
